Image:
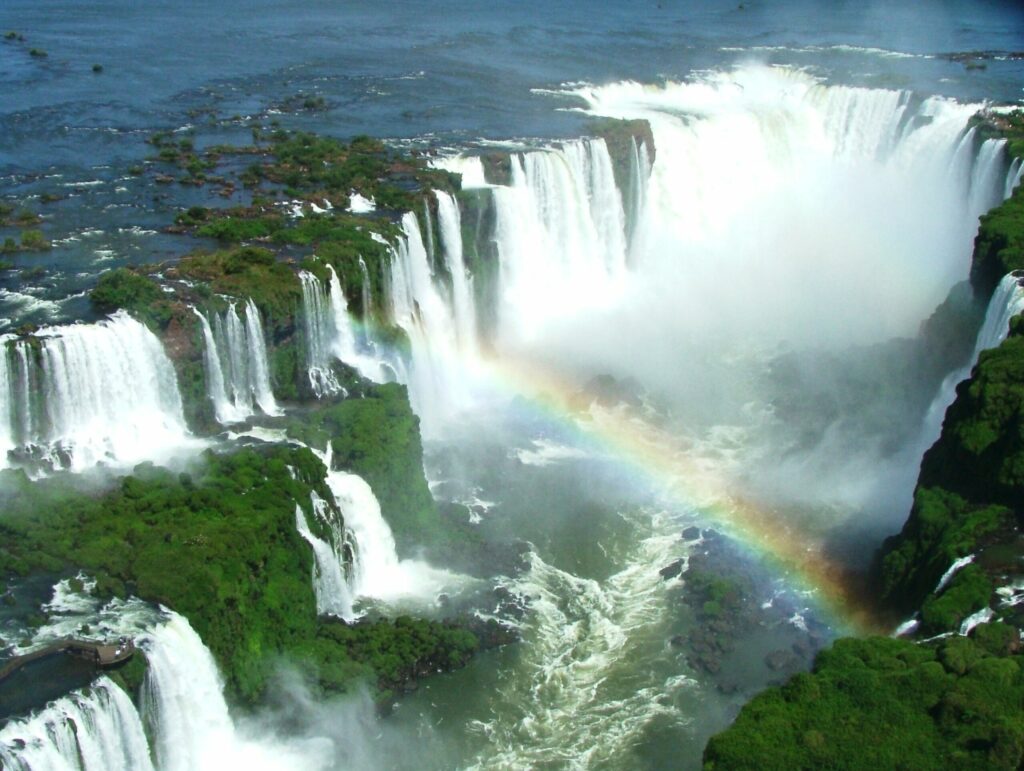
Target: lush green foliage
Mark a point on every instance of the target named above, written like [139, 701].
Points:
[941, 528]
[981, 452]
[885, 703]
[248, 272]
[394, 651]
[220, 547]
[999, 245]
[124, 288]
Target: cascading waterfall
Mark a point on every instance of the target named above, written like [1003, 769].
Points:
[989, 177]
[1013, 177]
[373, 567]
[319, 327]
[640, 165]
[438, 378]
[183, 711]
[463, 299]
[1006, 302]
[235, 362]
[225, 409]
[333, 595]
[259, 369]
[331, 334]
[184, 707]
[561, 237]
[99, 730]
[367, 294]
[81, 394]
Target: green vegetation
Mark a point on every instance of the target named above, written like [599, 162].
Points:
[942, 527]
[999, 245]
[247, 272]
[393, 652]
[219, 546]
[31, 241]
[981, 452]
[123, 288]
[38, 53]
[884, 703]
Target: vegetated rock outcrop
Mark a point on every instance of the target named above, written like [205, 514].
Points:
[954, 698]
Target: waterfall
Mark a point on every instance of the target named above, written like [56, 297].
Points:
[97, 730]
[437, 377]
[1013, 177]
[1006, 302]
[988, 177]
[76, 395]
[333, 596]
[376, 571]
[952, 571]
[259, 369]
[640, 172]
[359, 559]
[331, 334]
[463, 300]
[816, 200]
[7, 401]
[319, 328]
[184, 707]
[224, 409]
[561, 237]
[367, 294]
[236, 366]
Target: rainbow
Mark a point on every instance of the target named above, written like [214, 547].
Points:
[666, 462]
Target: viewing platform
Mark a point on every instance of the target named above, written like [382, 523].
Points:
[101, 654]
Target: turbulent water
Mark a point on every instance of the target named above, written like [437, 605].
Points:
[779, 211]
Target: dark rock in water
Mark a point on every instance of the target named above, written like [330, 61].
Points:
[728, 687]
[677, 641]
[671, 571]
[692, 533]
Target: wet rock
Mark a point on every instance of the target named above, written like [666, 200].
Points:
[677, 641]
[671, 571]
[691, 533]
